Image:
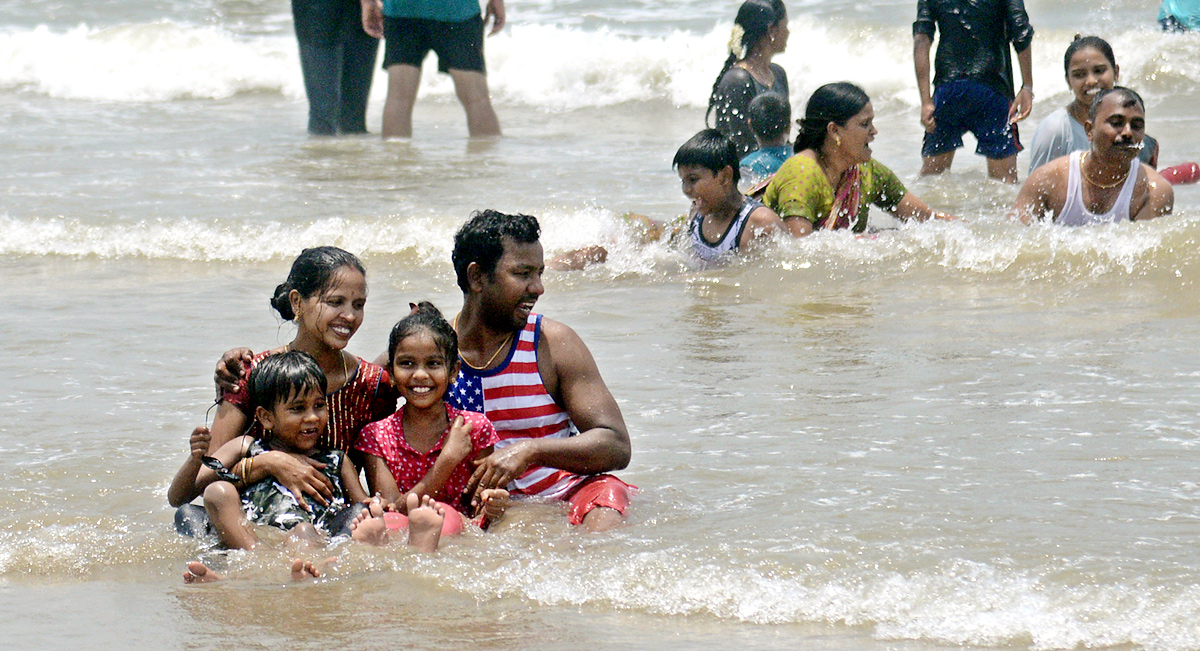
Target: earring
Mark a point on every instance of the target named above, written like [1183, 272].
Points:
[837, 140]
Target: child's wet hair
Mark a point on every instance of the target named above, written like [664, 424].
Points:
[1094, 42]
[312, 272]
[770, 114]
[279, 378]
[711, 150]
[425, 318]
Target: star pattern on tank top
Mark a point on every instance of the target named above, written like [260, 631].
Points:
[467, 392]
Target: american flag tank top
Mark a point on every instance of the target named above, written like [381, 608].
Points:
[513, 397]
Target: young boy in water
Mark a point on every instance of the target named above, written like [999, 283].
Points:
[287, 392]
[722, 220]
[771, 121]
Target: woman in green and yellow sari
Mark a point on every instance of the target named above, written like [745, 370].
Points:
[832, 179]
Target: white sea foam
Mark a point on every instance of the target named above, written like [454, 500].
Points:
[549, 66]
[986, 247]
[146, 62]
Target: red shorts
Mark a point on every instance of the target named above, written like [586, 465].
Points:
[598, 490]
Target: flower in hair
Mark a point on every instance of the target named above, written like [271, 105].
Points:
[736, 47]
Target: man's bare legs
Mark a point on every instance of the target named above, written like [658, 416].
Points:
[472, 90]
[936, 164]
[999, 169]
[1003, 169]
[403, 81]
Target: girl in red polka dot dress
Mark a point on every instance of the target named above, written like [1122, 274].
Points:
[427, 433]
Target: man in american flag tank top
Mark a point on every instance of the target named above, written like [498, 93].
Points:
[560, 428]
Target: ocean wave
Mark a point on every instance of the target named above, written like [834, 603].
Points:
[985, 246]
[166, 60]
[955, 602]
[146, 62]
[1059, 603]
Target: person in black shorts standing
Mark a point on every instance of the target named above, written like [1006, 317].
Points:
[973, 87]
[453, 29]
[338, 61]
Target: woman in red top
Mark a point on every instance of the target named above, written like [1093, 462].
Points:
[324, 295]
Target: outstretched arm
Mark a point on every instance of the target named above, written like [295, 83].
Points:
[911, 207]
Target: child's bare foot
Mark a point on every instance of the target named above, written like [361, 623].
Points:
[198, 572]
[369, 527]
[302, 569]
[424, 523]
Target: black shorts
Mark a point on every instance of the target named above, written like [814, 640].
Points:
[459, 46]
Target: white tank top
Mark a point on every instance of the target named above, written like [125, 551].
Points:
[715, 252]
[1075, 214]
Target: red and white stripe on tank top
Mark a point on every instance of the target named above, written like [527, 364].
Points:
[513, 397]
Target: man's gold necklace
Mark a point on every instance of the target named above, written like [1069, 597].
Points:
[503, 345]
[1100, 185]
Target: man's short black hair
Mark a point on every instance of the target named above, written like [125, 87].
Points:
[480, 240]
[1127, 96]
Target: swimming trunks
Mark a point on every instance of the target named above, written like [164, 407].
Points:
[458, 45]
[1074, 213]
[964, 105]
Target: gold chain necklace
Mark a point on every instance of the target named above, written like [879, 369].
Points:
[503, 345]
[1100, 185]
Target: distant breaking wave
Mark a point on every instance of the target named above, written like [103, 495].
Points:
[546, 66]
